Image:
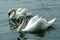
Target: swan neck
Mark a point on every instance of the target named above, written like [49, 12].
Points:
[22, 25]
[12, 13]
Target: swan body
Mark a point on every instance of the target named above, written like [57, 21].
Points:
[36, 23]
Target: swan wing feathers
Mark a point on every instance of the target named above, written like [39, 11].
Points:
[44, 24]
[33, 25]
[18, 10]
[21, 11]
[40, 23]
[35, 18]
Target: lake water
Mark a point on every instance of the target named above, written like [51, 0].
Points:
[46, 8]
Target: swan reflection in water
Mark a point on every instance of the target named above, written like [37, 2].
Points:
[34, 35]
[12, 24]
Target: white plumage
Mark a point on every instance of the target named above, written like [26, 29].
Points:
[36, 24]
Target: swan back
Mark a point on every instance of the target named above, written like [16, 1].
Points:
[21, 11]
[18, 10]
[35, 18]
[42, 22]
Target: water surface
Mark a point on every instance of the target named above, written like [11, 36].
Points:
[46, 8]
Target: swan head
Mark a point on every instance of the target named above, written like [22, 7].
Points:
[11, 13]
[21, 22]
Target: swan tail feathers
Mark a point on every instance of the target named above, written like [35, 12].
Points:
[51, 21]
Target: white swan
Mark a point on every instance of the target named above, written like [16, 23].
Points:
[13, 13]
[35, 24]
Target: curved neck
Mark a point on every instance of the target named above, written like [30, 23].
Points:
[22, 25]
[11, 13]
